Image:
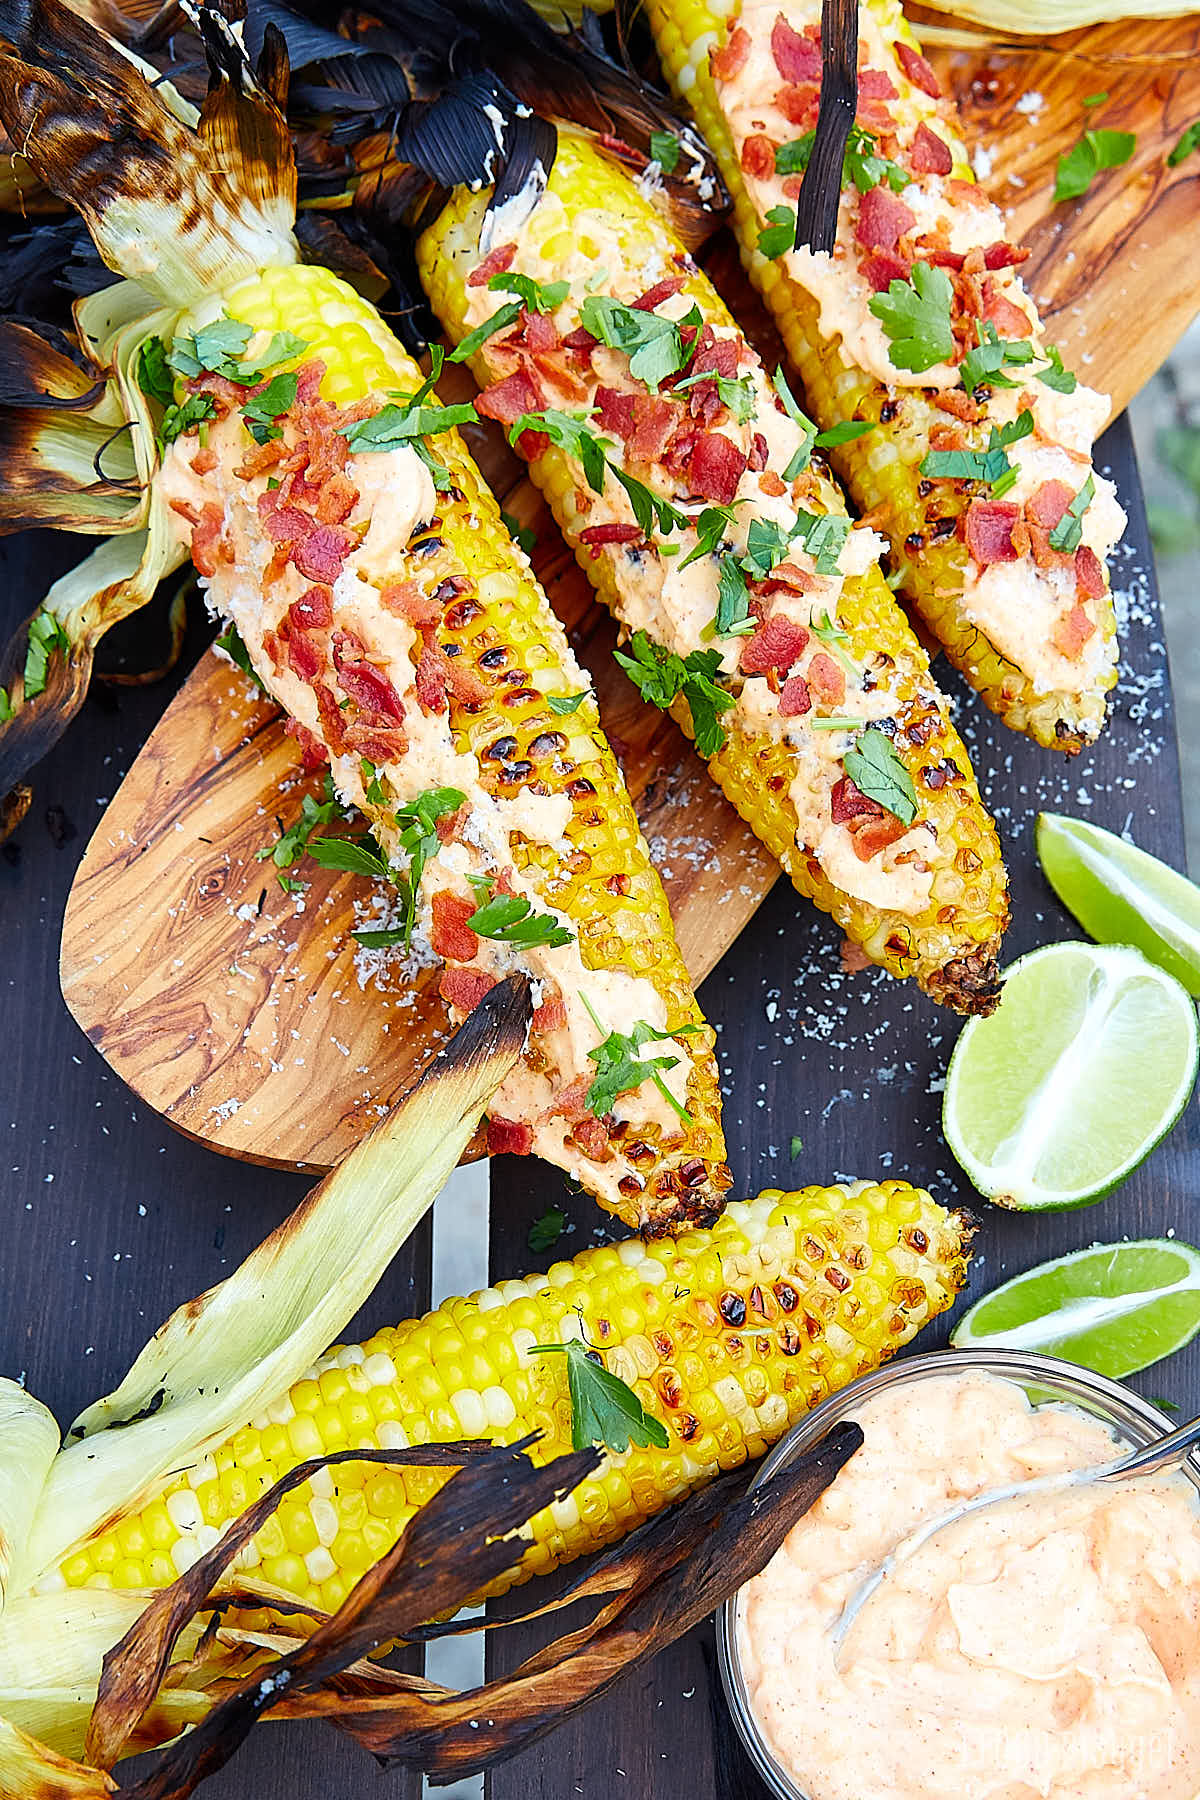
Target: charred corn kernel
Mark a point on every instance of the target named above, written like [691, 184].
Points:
[1040, 664]
[544, 784]
[924, 914]
[789, 1297]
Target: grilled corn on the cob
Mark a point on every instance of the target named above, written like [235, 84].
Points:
[726, 1337]
[920, 324]
[381, 601]
[800, 679]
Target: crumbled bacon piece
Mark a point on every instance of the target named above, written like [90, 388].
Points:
[772, 485]
[580, 339]
[321, 554]
[312, 611]
[794, 697]
[450, 936]
[591, 1137]
[756, 462]
[726, 62]
[615, 410]
[846, 802]
[260, 457]
[313, 754]
[465, 988]
[758, 156]
[959, 405]
[989, 531]
[775, 645]
[595, 536]
[827, 679]
[506, 400]
[715, 467]
[304, 655]
[204, 461]
[207, 550]
[797, 58]
[496, 262]
[1047, 506]
[662, 290]
[508, 1137]
[876, 84]
[282, 523]
[366, 685]
[538, 332]
[1089, 572]
[883, 219]
[653, 422]
[449, 826]
[308, 382]
[431, 679]
[1072, 631]
[1010, 320]
[551, 1015]
[929, 154]
[407, 600]
[799, 104]
[715, 356]
[918, 70]
[883, 267]
[789, 577]
[337, 499]
[870, 836]
[378, 743]
[1004, 256]
[333, 720]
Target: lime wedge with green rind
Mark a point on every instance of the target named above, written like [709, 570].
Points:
[1115, 1308]
[1123, 895]
[1082, 1069]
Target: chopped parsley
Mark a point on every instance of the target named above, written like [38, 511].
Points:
[1188, 142]
[778, 235]
[418, 837]
[355, 856]
[862, 165]
[385, 938]
[545, 1232]
[878, 772]
[844, 432]
[46, 636]
[153, 376]
[178, 420]
[230, 641]
[986, 363]
[1095, 150]
[734, 392]
[649, 509]
[6, 707]
[572, 433]
[501, 319]
[733, 600]
[522, 535]
[263, 408]
[604, 1409]
[802, 422]
[659, 676]
[1063, 381]
[795, 1146]
[394, 425]
[1068, 533]
[536, 296]
[566, 703]
[291, 844]
[619, 1068]
[710, 526]
[511, 919]
[990, 465]
[664, 150]
[216, 349]
[915, 314]
[827, 631]
[655, 346]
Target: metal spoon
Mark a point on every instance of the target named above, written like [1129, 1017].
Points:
[1163, 1453]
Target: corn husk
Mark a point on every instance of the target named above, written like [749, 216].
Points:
[1030, 19]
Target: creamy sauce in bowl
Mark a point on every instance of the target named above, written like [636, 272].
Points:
[1046, 1649]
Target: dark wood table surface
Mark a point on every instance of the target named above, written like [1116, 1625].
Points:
[110, 1219]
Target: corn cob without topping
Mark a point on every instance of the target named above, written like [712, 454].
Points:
[1038, 640]
[945, 930]
[726, 1336]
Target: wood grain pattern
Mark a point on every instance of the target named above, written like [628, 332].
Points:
[241, 1018]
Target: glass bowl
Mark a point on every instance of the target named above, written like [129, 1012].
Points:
[1045, 1379]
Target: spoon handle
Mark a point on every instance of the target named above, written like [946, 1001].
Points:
[1163, 1453]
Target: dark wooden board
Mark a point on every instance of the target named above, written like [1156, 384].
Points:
[849, 1064]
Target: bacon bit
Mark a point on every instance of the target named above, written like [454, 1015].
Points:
[366, 685]
[662, 290]
[1072, 632]
[615, 412]
[579, 339]
[336, 500]
[308, 382]
[715, 467]
[379, 743]
[262, 456]
[876, 84]
[1089, 572]
[312, 611]
[465, 988]
[870, 836]
[313, 754]
[431, 679]
[846, 802]
[827, 679]
[854, 957]
[792, 186]
[273, 647]
[592, 1138]
[929, 154]
[207, 550]
[449, 826]
[320, 555]
[874, 116]
[653, 422]
[794, 697]
[883, 219]
[715, 356]
[1010, 320]
[883, 267]
[759, 451]
[931, 250]
[789, 577]
[775, 645]
[726, 62]
[506, 400]
[797, 58]
[406, 599]
[989, 529]
[953, 400]
[1045, 555]
[538, 331]
[771, 485]
[496, 262]
[1047, 506]
[758, 156]
[551, 1015]
[918, 71]
[305, 657]
[595, 536]
[450, 936]
[204, 461]
[1005, 256]
[946, 437]
[333, 720]
[799, 105]
[508, 1137]
[283, 524]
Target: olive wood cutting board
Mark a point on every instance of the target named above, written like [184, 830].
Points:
[247, 1015]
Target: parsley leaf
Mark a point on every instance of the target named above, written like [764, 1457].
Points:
[824, 536]
[733, 600]
[778, 235]
[1188, 142]
[659, 675]
[985, 364]
[418, 839]
[664, 150]
[803, 423]
[262, 409]
[1096, 150]
[538, 296]
[844, 432]
[511, 919]
[1056, 377]
[619, 1069]
[383, 939]
[862, 164]
[654, 345]
[230, 641]
[566, 703]
[1068, 533]
[710, 527]
[545, 1232]
[356, 856]
[795, 1146]
[990, 465]
[7, 711]
[153, 375]
[649, 508]
[520, 534]
[876, 770]
[501, 319]
[915, 314]
[827, 631]
[394, 425]
[291, 844]
[46, 636]
[734, 392]
[210, 350]
[604, 1409]
[572, 433]
[177, 420]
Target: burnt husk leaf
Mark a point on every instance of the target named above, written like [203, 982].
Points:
[821, 188]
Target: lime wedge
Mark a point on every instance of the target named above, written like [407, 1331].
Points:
[1086, 1063]
[1123, 895]
[1115, 1308]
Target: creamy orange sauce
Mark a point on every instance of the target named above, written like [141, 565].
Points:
[1045, 1649]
